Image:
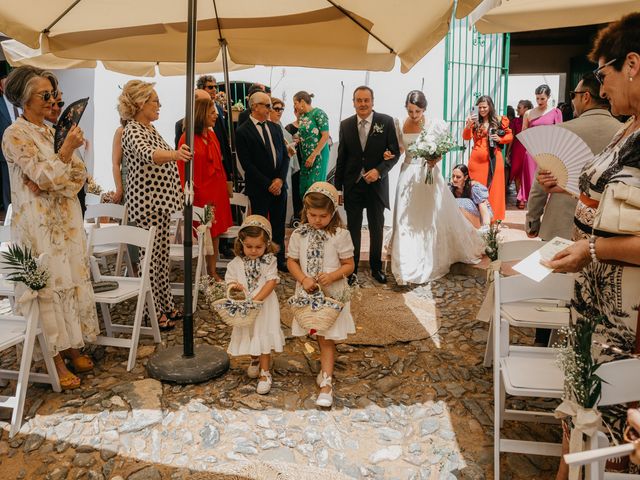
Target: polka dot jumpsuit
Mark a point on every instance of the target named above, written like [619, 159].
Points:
[153, 194]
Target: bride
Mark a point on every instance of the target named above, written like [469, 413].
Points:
[429, 232]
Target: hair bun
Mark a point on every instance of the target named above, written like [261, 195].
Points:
[312, 95]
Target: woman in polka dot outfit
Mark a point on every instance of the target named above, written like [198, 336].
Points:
[153, 184]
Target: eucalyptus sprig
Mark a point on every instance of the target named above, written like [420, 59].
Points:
[207, 215]
[491, 240]
[24, 267]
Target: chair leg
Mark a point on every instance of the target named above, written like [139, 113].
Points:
[50, 364]
[106, 316]
[135, 332]
[25, 369]
[153, 316]
[488, 351]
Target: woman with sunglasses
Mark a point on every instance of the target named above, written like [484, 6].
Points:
[275, 115]
[608, 263]
[47, 218]
[314, 138]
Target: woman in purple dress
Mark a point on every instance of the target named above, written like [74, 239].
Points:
[516, 151]
[543, 114]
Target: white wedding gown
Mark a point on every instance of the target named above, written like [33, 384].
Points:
[429, 231]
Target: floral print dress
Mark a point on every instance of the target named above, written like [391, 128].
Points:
[51, 222]
[610, 290]
[311, 126]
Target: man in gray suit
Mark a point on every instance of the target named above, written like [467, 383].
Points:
[595, 125]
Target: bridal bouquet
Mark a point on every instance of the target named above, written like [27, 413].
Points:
[434, 141]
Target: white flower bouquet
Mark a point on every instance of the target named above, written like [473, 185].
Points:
[434, 141]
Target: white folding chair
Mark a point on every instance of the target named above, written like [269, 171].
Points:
[97, 211]
[176, 254]
[128, 287]
[521, 371]
[619, 386]
[242, 201]
[549, 312]
[24, 329]
[91, 199]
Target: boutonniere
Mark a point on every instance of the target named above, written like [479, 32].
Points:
[378, 128]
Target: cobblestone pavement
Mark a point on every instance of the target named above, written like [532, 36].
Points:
[415, 410]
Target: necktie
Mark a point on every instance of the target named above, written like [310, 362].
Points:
[362, 133]
[267, 143]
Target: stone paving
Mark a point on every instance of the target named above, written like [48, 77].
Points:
[414, 410]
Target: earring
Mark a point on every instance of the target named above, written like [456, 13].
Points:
[631, 79]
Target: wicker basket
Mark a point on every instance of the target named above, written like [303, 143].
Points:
[315, 311]
[237, 312]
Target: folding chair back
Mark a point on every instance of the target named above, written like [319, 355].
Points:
[128, 287]
[111, 210]
[176, 254]
[518, 249]
[24, 329]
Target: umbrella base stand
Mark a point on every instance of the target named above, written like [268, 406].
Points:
[169, 365]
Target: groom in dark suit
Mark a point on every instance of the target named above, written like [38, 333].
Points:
[263, 155]
[5, 120]
[362, 174]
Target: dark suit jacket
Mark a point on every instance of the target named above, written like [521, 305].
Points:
[352, 159]
[220, 130]
[259, 170]
[243, 117]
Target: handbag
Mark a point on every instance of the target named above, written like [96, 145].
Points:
[619, 210]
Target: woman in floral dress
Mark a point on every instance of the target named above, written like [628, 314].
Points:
[47, 218]
[608, 264]
[314, 138]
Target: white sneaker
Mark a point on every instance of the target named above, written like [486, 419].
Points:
[254, 369]
[264, 385]
[324, 399]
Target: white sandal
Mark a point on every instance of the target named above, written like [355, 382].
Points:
[264, 385]
[254, 368]
[324, 399]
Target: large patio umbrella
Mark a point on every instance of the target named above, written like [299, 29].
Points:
[18, 54]
[497, 16]
[346, 34]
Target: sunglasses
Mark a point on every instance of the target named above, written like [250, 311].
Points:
[60, 104]
[268, 105]
[278, 109]
[573, 93]
[210, 87]
[597, 71]
[46, 96]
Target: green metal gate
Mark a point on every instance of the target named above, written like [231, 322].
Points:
[475, 65]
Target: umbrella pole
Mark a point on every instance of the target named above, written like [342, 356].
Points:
[188, 364]
[227, 86]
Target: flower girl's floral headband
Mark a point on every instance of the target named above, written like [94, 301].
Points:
[257, 221]
[327, 190]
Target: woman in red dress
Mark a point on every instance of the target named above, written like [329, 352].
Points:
[209, 177]
[489, 132]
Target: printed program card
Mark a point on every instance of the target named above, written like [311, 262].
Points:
[531, 266]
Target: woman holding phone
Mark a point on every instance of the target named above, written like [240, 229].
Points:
[486, 165]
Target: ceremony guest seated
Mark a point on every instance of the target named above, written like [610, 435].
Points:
[472, 197]
[47, 217]
[209, 177]
[153, 190]
[608, 263]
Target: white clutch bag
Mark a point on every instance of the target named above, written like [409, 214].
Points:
[619, 210]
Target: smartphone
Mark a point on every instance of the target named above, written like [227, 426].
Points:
[474, 112]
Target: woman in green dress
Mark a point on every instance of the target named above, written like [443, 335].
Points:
[314, 138]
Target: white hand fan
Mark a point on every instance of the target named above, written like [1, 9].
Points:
[558, 150]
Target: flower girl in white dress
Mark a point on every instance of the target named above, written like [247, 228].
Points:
[255, 271]
[429, 231]
[321, 253]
